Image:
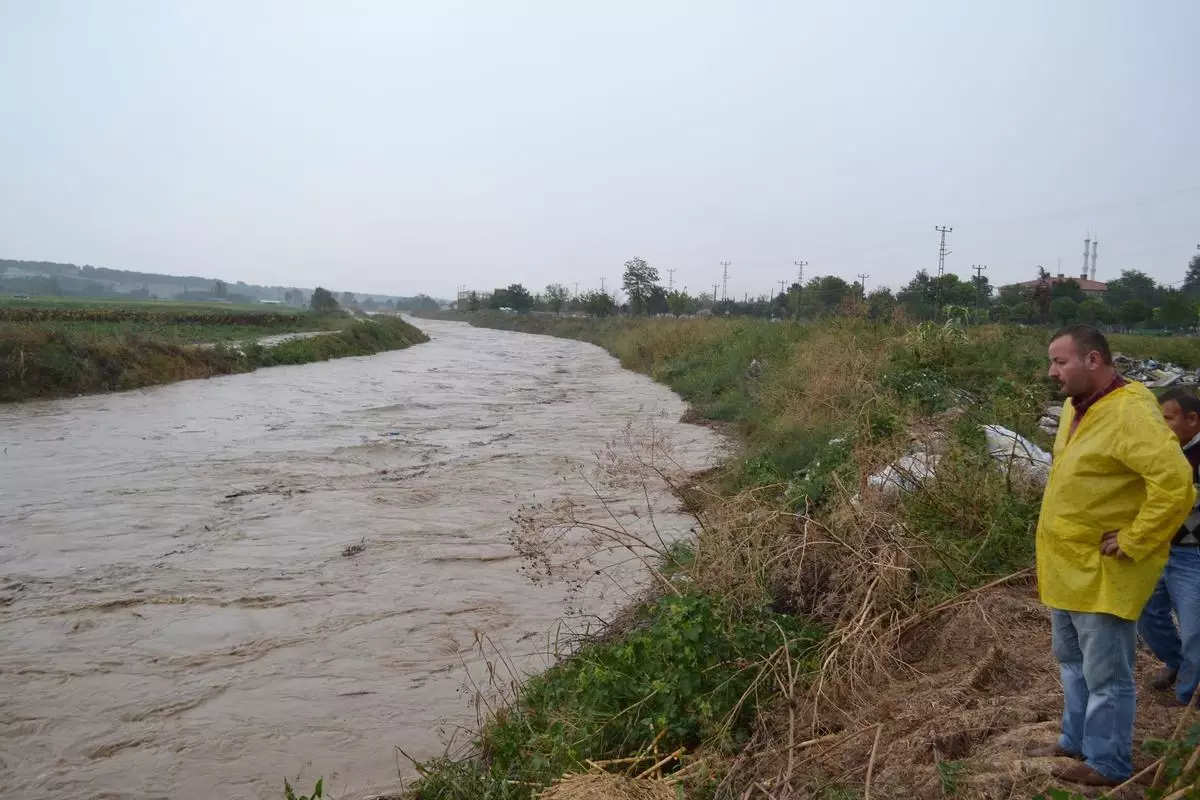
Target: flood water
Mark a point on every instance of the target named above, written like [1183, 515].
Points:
[177, 614]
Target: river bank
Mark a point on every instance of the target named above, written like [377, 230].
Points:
[915, 659]
[209, 586]
[52, 353]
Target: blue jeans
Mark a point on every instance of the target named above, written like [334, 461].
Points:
[1095, 655]
[1178, 589]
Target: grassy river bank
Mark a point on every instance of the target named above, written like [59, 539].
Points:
[54, 351]
[820, 638]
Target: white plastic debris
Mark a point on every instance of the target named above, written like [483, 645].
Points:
[906, 474]
[1017, 454]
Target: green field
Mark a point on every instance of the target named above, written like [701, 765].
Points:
[51, 346]
[11, 301]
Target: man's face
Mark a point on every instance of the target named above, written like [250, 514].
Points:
[1073, 372]
[1184, 426]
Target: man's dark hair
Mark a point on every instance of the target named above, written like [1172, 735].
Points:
[1087, 339]
[1187, 399]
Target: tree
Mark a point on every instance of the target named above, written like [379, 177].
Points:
[599, 304]
[880, 304]
[556, 297]
[515, 296]
[1191, 281]
[519, 298]
[1134, 312]
[1133, 285]
[917, 298]
[1068, 288]
[473, 303]
[1064, 310]
[323, 301]
[822, 296]
[1177, 310]
[983, 291]
[656, 303]
[1013, 294]
[639, 281]
[679, 303]
[1022, 311]
[1092, 312]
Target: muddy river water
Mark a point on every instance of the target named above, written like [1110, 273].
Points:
[182, 610]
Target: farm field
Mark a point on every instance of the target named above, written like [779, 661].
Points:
[49, 347]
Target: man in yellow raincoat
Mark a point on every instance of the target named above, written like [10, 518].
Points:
[1117, 493]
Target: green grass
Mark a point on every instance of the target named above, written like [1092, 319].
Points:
[690, 671]
[55, 360]
[828, 404]
[177, 333]
[42, 301]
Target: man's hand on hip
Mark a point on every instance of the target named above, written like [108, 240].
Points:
[1109, 546]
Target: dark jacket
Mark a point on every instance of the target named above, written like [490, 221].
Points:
[1189, 531]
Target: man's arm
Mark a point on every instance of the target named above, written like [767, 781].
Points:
[1150, 449]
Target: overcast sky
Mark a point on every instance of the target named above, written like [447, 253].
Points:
[407, 147]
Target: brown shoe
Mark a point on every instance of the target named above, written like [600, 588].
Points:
[1164, 679]
[1083, 775]
[1051, 751]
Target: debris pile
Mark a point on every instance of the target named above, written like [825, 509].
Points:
[1015, 454]
[1012, 453]
[1155, 374]
[1050, 419]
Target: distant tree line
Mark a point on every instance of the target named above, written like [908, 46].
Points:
[1134, 300]
[51, 279]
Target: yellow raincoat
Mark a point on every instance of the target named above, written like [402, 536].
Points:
[1122, 470]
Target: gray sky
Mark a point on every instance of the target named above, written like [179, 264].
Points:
[403, 147]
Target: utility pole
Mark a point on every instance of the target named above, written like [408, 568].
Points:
[942, 251]
[862, 285]
[782, 285]
[670, 281]
[979, 270]
[602, 286]
[715, 285]
[577, 288]
[725, 281]
[800, 272]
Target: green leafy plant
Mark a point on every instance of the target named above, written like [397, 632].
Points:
[689, 672]
[317, 792]
[949, 773]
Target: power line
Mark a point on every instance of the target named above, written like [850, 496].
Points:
[725, 281]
